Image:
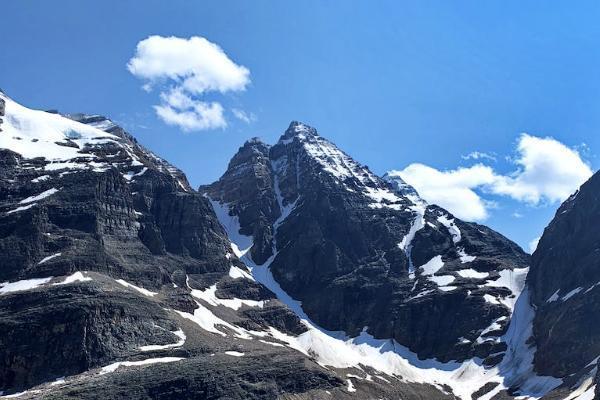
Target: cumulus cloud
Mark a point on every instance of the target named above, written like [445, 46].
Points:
[452, 189]
[184, 71]
[547, 171]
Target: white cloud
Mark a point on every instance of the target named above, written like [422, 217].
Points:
[199, 117]
[243, 116]
[548, 171]
[452, 189]
[478, 155]
[185, 70]
[197, 64]
[533, 244]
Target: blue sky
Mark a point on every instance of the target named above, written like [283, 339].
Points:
[393, 83]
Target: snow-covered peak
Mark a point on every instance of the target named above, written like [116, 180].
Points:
[298, 130]
[77, 142]
[34, 133]
[353, 176]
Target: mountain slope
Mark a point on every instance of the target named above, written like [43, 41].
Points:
[126, 277]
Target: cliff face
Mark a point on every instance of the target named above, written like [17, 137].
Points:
[565, 280]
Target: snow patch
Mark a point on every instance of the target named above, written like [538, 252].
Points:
[43, 260]
[240, 244]
[451, 226]
[234, 353]
[154, 347]
[23, 285]
[114, 366]
[417, 224]
[472, 274]
[432, 266]
[209, 295]
[23, 208]
[208, 321]
[350, 386]
[76, 277]
[238, 273]
[40, 196]
[571, 293]
[143, 291]
[464, 257]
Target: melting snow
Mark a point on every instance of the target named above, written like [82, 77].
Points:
[40, 178]
[23, 285]
[114, 366]
[23, 208]
[240, 244]
[432, 266]
[40, 196]
[442, 280]
[350, 386]
[234, 353]
[153, 347]
[209, 295]
[208, 321]
[571, 293]
[464, 257]
[143, 291]
[130, 175]
[76, 277]
[237, 273]
[451, 226]
[511, 279]
[49, 258]
[471, 273]
[406, 242]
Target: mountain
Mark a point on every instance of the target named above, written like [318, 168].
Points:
[564, 281]
[361, 251]
[299, 274]
[110, 262]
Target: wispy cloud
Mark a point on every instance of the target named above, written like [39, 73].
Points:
[478, 155]
[547, 171]
[244, 116]
[184, 71]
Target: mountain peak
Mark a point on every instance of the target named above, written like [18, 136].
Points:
[298, 129]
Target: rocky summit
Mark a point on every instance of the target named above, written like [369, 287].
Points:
[299, 274]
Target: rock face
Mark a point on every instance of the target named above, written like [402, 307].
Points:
[565, 286]
[361, 251]
[2, 106]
